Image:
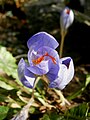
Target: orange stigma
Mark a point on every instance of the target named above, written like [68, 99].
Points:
[40, 59]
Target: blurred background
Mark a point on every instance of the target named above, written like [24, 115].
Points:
[19, 20]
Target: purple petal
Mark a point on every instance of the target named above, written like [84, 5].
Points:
[57, 82]
[31, 56]
[65, 74]
[40, 69]
[42, 39]
[51, 52]
[30, 77]
[53, 72]
[21, 67]
[66, 61]
[70, 69]
[26, 77]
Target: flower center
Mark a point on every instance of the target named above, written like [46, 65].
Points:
[40, 59]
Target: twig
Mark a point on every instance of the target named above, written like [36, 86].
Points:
[20, 56]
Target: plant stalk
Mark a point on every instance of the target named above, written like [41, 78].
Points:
[63, 34]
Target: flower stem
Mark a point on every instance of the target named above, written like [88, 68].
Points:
[32, 97]
[63, 34]
[23, 115]
[36, 81]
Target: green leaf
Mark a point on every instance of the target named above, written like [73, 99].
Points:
[78, 113]
[75, 94]
[2, 98]
[80, 91]
[5, 86]
[45, 117]
[3, 112]
[8, 83]
[55, 116]
[87, 80]
[8, 62]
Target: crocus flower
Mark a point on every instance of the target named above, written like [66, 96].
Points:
[66, 18]
[43, 59]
